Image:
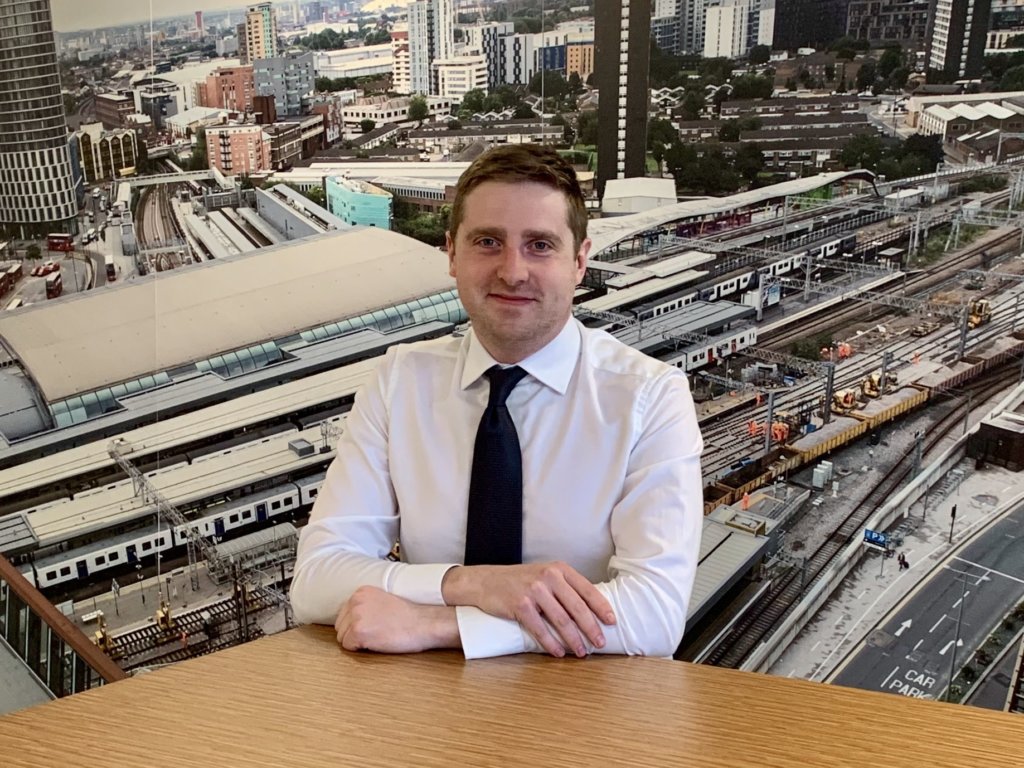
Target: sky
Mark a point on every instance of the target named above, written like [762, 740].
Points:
[71, 15]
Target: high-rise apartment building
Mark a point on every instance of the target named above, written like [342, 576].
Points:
[199, 23]
[622, 38]
[37, 193]
[492, 39]
[1007, 20]
[260, 33]
[957, 36]
[229, 88]
[815, 23]
[888, 20]
[691, 25]
[431, 37]
[401, 76]
[733, 27]
[238, 150]
[290, 79]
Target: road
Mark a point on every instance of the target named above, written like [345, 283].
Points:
[911, 652]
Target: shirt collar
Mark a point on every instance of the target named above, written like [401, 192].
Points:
[552, 365]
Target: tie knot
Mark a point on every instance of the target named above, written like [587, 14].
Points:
[503, 381]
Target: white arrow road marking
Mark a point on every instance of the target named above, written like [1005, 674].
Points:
[904, 627]
[947, 646]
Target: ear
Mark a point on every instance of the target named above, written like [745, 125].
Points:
[449, 244]
[581, 260]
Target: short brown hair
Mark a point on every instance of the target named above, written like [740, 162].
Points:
[514, 163]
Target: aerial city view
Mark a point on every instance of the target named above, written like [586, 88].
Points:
[218, 218]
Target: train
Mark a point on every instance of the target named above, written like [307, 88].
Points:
[854, 425]
[734, 284]
[112, 556]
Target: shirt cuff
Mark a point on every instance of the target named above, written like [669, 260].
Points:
[484, 636]
[418, 583]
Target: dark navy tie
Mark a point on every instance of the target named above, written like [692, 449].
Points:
[494, 523]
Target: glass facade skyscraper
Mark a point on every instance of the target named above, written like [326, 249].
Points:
[37, 193]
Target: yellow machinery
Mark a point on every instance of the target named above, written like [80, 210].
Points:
[979, 312]
[872, 385]
[844, 401]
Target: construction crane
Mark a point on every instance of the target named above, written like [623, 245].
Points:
[119, 450]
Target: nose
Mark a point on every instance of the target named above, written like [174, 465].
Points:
[512, 269]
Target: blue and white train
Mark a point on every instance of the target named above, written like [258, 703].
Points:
[219, 521]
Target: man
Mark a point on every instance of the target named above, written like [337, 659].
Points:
[542, 478]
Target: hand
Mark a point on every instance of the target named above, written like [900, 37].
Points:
[531, 594]
[375, 620]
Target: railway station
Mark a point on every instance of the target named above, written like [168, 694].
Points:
[230, 386]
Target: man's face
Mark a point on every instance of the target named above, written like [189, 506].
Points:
[515, 266]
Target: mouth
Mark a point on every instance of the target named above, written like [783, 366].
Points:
[510, 299]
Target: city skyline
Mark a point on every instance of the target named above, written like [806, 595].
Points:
[71, 16]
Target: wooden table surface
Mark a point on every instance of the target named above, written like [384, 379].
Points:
[297, 699]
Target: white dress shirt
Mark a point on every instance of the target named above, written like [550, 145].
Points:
[611, 485]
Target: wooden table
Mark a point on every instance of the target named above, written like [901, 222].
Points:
[297, 699]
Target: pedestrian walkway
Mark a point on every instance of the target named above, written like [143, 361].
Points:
[878, 584]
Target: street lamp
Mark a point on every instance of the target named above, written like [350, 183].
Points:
[138, 576]
[956, 639]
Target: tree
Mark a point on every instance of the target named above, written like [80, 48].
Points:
[586, 131]
[523, 111]
[760, 54]
[830, 72]
[32, 252]
[454, 125]
[891, 60]
[199, 160]
[898, 78]
[575, 85]
[693, 103]
[378, 37]
[752, 87]
[555, 86]
[473, 100]
[1013, 79]
[729, 131]
[749, 162]
[367, 125]
[418, 109]
[862, 152]
[866, 76]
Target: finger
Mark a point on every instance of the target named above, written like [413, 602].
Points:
[530, 619]
[579, 612]
[343, 622]
[591, 595]
[563, 623]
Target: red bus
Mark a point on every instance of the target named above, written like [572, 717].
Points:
[59, 241]
[54, 285]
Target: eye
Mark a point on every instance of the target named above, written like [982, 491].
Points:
[542, 245]
[487, 242]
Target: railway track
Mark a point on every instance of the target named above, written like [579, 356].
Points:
[758, 623]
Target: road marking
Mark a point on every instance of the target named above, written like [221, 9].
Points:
[862, 594]
[815, 646]
[937, 624]
[889, 676]
[960, 599]
[918, 643]
[990, 570]
[840, 620]
[947, 646]
[1009, 536]
[904, 627]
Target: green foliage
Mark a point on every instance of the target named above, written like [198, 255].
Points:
[851, 43]
[862, 152]
[199, 161]
[749, 161]
[328, 40]
[810, 349]
[866, 75]
[426, 227]
[367, 125]
[473, 101]
[586, 128]
[660, 134]
[555, 86]
[378, 37]
[752, 87]
[331, 85]
[418, 109]
[33, 252]
[1012, 79]
[760, 54]
[716, 71]
[729, 131]
[892, 59]
[523, 111]
[693, 103]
